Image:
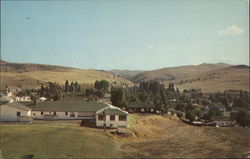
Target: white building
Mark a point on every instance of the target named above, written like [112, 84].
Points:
[80, 110]
[14, 112]
[23, 98]
[111, 117]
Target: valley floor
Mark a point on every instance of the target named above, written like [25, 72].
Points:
[149, 136]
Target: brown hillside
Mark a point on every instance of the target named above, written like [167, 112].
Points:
[229, 78]
[208, 77]
[173, 73]
[33, 75]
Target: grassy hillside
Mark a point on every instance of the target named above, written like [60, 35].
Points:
[228, 78]
[168, 137]
[208, 77]
[33, 75]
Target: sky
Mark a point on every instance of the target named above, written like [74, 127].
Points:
[125, 34]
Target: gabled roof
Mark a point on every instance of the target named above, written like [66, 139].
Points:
[140, 105]
[18, 106]
[112, 110]
[68, 106]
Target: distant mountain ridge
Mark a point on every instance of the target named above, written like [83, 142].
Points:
[208, 77]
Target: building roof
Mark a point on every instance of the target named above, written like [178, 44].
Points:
[112, 110]
[18, 106]
[140, 105]
[67, 106]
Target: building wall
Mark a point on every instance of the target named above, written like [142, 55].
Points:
[9, 113]
[109, 123]
[62, 115]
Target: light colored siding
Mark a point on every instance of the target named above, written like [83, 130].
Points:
[116, 123]
[9, 113]
[61, 115]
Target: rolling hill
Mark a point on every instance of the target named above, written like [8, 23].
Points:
[28, 75]
[207, 77]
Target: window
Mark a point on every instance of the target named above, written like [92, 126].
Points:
[72, 114]
[66, 113]
[122, 118]
[112, 117]
[80, 114]
[54, 113]
[34, 114]
[41, 113]
[111, 125]
[101, 117]
[18, 113]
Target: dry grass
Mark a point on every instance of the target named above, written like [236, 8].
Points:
[157, 136]
[34, 79]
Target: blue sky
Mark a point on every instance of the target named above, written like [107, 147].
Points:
[125, 34]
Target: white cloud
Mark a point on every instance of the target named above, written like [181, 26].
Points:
[231, 30]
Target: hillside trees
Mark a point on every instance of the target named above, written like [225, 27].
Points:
[102, 85]
[51, 90]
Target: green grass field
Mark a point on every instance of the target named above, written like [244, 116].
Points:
[52, 139]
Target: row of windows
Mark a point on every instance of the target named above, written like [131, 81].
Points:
[112, 117]
[72, 114]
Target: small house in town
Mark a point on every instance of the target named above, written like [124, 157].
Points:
[141, 107]
[14, 112]
[222, 121]
[23, 98]
[111, 116]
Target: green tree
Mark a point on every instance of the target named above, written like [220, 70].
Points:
[66, 86]
[143, 96]
[118, 97]
[71, 89]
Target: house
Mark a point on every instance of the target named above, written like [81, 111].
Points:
[111, 116]
[141, 107]
[14, 112]
[42, 99]
[12, 91]
[23, 98]
[222, 121]
[79, 110]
